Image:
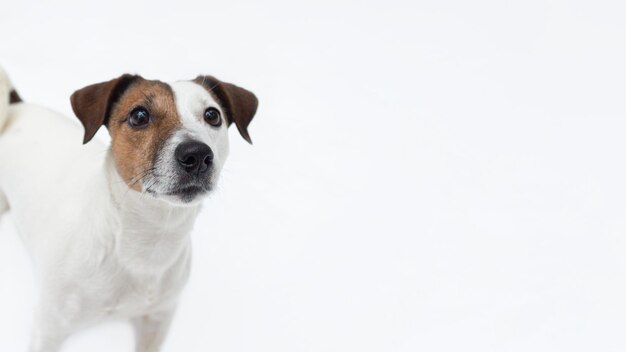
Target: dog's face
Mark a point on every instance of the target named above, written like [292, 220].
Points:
[168, 140]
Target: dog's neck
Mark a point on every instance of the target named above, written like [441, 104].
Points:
[152, 234]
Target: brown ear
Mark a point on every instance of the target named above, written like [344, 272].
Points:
[93, 104]
[239, 104]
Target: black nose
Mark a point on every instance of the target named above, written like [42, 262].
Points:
[194, 157]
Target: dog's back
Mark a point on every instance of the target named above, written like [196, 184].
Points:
[5, 88]
[6, 94]
[35, 141]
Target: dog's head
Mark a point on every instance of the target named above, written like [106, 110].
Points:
[168, 140]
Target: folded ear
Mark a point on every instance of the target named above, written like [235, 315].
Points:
[239, 104]
[93, 104]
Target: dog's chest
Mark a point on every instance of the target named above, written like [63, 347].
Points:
[138, 265]
[138, 278]
[133, 294]
[136, 296]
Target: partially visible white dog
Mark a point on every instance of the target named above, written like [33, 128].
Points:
[109, 231]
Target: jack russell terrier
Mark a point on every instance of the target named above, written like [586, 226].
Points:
[109, 231]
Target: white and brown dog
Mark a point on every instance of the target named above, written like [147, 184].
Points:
[109, 231]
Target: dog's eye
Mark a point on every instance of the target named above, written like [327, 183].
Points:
[213, 117]
[139, 118]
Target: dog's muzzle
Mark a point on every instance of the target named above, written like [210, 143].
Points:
[193, 165]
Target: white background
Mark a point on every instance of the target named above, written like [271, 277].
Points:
[426, 176]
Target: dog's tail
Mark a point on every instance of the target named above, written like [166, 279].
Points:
[8, 95]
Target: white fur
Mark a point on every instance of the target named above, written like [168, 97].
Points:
[5, 89]
[101, 250]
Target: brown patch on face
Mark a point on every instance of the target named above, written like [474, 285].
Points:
[135, 149]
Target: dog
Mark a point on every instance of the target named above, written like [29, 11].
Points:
[108, 228]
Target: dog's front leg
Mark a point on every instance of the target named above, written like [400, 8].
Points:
[150, 330]
[48, 336]
[57, 316]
